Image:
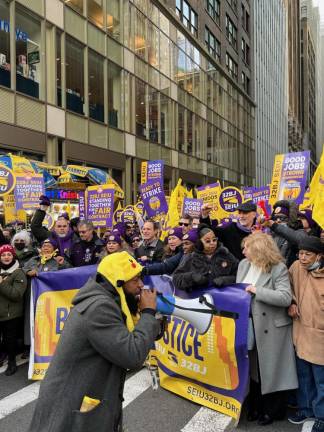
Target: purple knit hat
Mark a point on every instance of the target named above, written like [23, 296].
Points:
[192, 235]
[114, 237]
[177, 232]
[307, 214]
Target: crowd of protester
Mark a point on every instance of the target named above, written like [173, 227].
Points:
[280, 259]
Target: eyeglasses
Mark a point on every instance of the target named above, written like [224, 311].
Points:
[136, 240]
[183, 224]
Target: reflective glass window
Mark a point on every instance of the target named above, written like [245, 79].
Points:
[140, 108]
[95, 12]
[113, 18]
[115, 93]
[28, 53]
[153, 100]
[181, 128]
[58, 68]
[140, 35]
[5, 66]
[77, 5]
[96, 87]
[74, 69]
[166, 113]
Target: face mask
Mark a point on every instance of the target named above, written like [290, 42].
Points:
[20, 246]
[61, 235]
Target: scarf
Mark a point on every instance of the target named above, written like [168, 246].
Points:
[8, 269]
[45, 258]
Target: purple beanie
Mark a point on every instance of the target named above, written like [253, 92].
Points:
[177, 232]
[192, 235]
[280, 210]
[114, 237]
[307, 214]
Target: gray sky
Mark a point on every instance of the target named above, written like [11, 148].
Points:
[320, 3]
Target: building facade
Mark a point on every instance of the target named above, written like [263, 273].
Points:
[309, 79]
[110, 83]
[295, 132]
[271, 92]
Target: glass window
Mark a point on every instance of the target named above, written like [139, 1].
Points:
[164, 54]
[153, 99]
[189, 132]
[166, 112]
[74, 75]
[231, 32]
[115, 95]
[231, 66]
[28, 53]
[213, 9]
[187, 15]
[113, 18]
[58, 68]
[140, 35]
[5, 79]
[153, 45]
[181, 128]
[95, 12]
[77, 5]
[140, 103]
[96, 87]
[212, 44]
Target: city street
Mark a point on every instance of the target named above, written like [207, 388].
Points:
[145, 410]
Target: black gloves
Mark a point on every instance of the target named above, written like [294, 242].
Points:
[200, 279]
[223, 280]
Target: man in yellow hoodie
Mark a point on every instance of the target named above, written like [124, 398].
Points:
[83, 387]
[307, 310]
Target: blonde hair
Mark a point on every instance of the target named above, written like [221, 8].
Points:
[263, 250]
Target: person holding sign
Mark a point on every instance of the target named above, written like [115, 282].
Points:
[83, 387]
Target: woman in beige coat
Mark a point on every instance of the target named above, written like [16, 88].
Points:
[272, 357]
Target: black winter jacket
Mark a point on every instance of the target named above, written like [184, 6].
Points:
[196, 270]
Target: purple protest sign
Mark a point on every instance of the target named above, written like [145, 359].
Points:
[262, 194]
[153, 198]
[28, 190]
[289, 177]
[247, 192]
[7, 180]
[192, 207]
[230, 198]
[128, 215]
[100, 206]
[152, 170]
[82, 205]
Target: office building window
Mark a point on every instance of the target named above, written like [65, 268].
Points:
[153, 45]
[113, 18]
[140, 104]
[28, 53]
[245, 52]
[153, 100]
[245, 18]
[95, 12]
[190, 132]
[74, 70]
[213, 9]
[245, 83]
[115, 93]
[140, 35]
[96, 87]
[58, 68]
[77, 5]
[231, 66]
[166, 115]
[181, 128]
[5, 67]
[231, 32]
[213, 45]
[187, 15]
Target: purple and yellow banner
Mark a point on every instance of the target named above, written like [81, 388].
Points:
[262, 194]
[192, 207]
[7, 180]
[230, 198]
[51, 297]
[153, 198]
[210, 369]
[100, 205]
[289, 177]
[152, 170]
[82, 205]
[28, 189]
